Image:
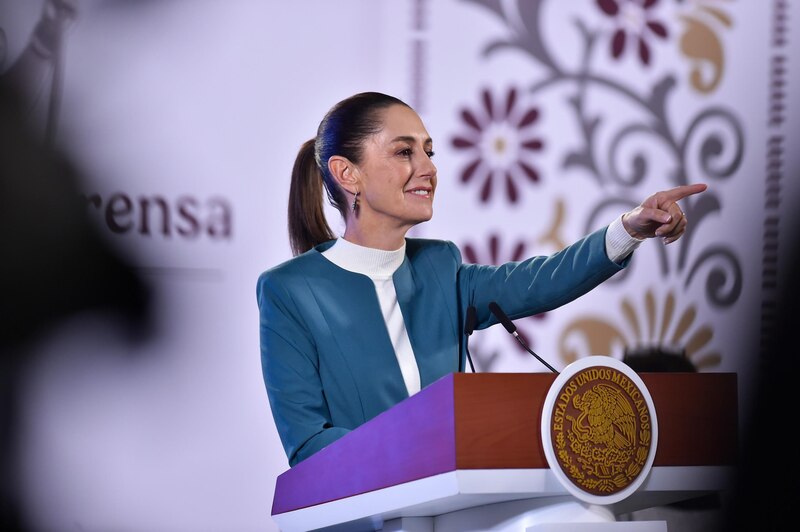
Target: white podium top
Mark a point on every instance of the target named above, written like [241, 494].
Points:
[460, 489]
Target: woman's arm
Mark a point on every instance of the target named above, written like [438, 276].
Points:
[538, 284]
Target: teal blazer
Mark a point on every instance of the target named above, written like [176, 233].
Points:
[327, 359]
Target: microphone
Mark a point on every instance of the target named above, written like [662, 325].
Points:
[512, 329]
[469, 326]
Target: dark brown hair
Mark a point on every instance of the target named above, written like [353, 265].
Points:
[342, 132]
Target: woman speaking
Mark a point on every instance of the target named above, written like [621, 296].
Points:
[352, 325]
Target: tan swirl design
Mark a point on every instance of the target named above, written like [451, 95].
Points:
[650, 323]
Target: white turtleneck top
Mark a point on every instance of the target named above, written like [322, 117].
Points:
[380, 265]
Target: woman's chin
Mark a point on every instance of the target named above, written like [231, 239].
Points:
[425, 217]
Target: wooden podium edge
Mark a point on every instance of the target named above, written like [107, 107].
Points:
[697, 416]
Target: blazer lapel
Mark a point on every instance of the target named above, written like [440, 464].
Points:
[428, 321]
[349, 306]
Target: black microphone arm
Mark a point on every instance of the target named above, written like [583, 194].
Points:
[512, 329]
[469, 326]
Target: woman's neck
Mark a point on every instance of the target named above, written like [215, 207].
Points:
[375, 238]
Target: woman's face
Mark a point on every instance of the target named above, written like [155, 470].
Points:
[397, 176]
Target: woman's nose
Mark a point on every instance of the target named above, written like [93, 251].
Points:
[427, 168]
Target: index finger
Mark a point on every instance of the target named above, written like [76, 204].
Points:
[684, 191]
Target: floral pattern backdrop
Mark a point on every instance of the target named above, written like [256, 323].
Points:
[556, 117]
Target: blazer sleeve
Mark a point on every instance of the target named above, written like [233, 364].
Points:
[538, 284]
[290, 366]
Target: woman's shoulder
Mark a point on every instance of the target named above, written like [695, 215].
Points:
[418, 247]
[300, 265]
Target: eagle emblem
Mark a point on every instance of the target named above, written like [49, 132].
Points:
[601, 429]
[606, 418]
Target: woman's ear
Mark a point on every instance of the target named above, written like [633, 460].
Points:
[344, 172]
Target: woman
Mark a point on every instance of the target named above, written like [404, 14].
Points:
[351, 326]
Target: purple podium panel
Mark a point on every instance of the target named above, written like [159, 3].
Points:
[413, 440]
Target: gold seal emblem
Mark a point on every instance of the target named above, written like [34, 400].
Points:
[601, 427]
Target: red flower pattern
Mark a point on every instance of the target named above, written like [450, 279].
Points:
[634, 22]
[499, 142]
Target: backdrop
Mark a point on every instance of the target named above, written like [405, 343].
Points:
[549, 120]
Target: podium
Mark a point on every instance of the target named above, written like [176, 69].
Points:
[465, 453]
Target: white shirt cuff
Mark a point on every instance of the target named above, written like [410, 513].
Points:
[619, 243]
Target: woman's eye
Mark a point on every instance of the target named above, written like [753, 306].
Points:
[408, 152]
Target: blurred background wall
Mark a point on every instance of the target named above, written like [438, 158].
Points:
[181, 120]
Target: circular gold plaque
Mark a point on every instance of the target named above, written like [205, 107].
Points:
[599, 429]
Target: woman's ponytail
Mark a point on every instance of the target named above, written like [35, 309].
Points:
[307, 224]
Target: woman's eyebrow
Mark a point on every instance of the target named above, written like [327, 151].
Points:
[410, 139]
